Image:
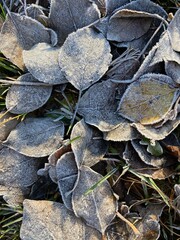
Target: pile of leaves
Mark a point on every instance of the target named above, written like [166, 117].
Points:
[91, 118]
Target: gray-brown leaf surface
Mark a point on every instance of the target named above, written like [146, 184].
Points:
[36, 137]
[17, 172]
[7, 124]
[18, 33]
[51, 220]
[23, 99]
[67, 174]
[84, 57]
[148, 99]
[67, 16]
[112, 5]
[159, 133]
[98, 106]
[89, 148]
[42, 63]
[98, 208]
[173, 70]
[124, 132]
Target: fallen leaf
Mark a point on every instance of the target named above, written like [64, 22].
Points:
[34, 11]
[84, 57]
[97, 208]
[36, 137]
[124, 132]
[67, 175]
[51, 220]
[148, 99]
[67, 16]
[22, 99]
[42, 63]
[112, 5]
[87, 144]
[98, 106]
[18, 33]
[154, 133]
[17, 173]
[174, 32]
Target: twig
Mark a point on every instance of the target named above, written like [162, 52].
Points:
[40, 84]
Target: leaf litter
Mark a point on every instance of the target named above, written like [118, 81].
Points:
[118, 64]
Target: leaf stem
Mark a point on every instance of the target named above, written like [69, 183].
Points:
[24, 83]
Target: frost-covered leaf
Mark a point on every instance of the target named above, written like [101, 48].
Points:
[98, 106]
[153, 147]
[24, 99]
[88, 145]
[101, 5]
[67, 174]
[112, 5]
[132, 158]
[85, 57]
[149, 226]
[99, 207]
[67, 16]
[7, 123]
[174, 31]
[124, 132]
[147, 157]
[18, 33]
[17, 172]
[42, 63]
[173, 70]
[36, 137]
[148, 99]
[127, 25]
[51, 220]
[154, 133]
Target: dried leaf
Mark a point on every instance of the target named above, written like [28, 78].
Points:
[7, 123]
[172, 145]
[67, 16]
[16, 174]
[18, 33]
[67, 174]
[101, 5]
[35, 11]
[51, 220]
[117, 231]
[147, 157]
[25, 99]
[149, 99]
[173, 70]
[42, 63]
[88, 145]
[124, 132]
[127, 25]
[149, 226]
[99, 207]
[84, 57]
[160, 133]
[131, 157]
[98, 106]
[174, 32]
[36, 137]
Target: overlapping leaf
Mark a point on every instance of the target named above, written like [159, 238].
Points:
[18, 33]
[99, 207]
[23, 99]
[112, 5]
[36, 137]
[51, 220]
[149, 99]
[98, 106]
[67, 16]
[84, 57]
[17, 173]
[42, 63]
[173, 70]
[88, 145]
[66, 171]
